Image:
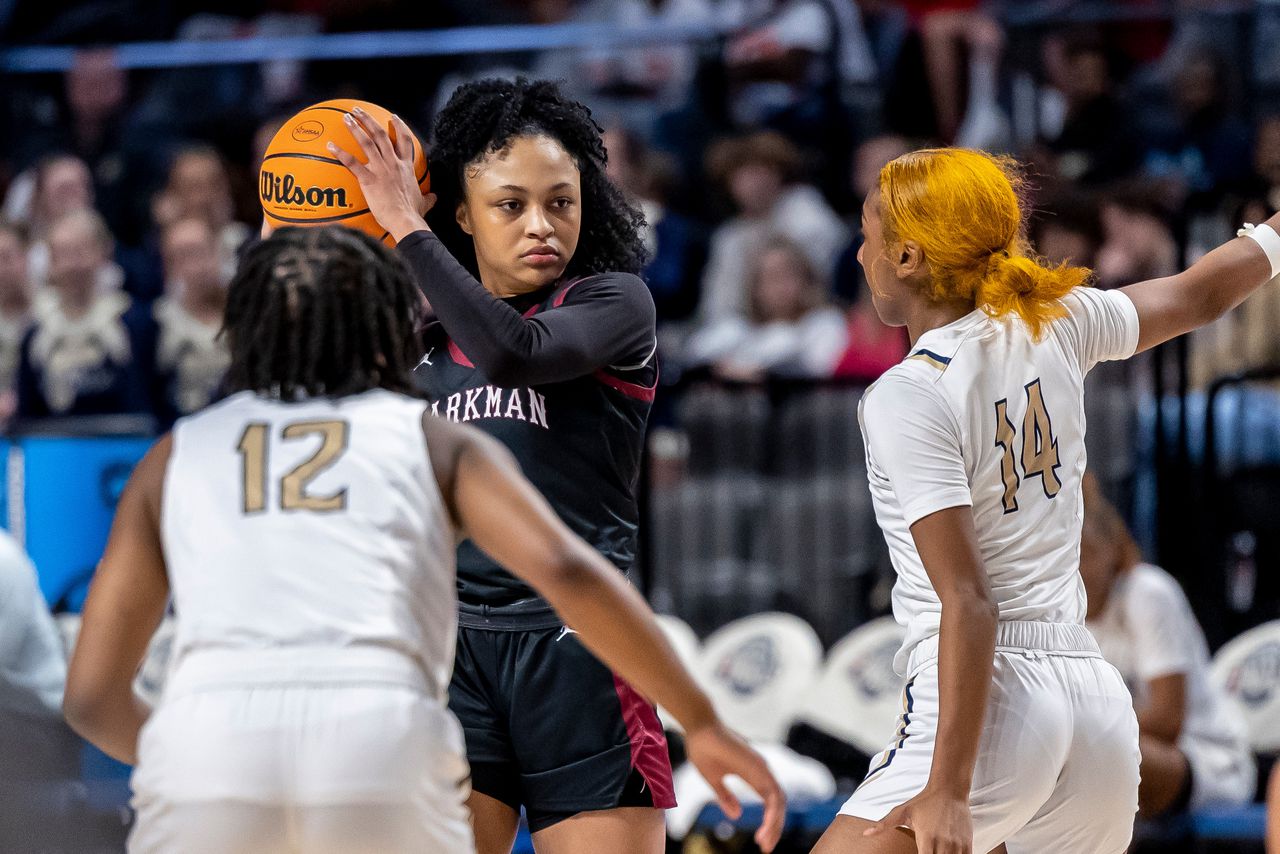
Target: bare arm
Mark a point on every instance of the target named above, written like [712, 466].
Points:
[1166, 708]
[1208, 289]
[948, 547]
[506, 517]
[939, 816]
[125, 605]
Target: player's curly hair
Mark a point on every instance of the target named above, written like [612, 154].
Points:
[483, 117]
[322, 311]
[966, 212]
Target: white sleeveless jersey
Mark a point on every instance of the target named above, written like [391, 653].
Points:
[315, 525]
[981, 415]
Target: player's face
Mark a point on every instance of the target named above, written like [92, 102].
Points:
[523, 207]
[882, 279]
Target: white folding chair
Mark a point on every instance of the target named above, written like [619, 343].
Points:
[757, 670]
[1248, 669]
[857, 697]
[154, 673]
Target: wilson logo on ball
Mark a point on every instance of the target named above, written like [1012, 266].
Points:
[284, 190]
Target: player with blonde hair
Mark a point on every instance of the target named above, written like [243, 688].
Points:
[1016, 735]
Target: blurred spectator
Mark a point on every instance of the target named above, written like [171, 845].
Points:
[677, 245]
[1067, 229]
[870, 158]
[35, 742]
[789, 328]
[790, 54]
[1092, 140]
[1207, 149]
[200, 186]
[958, 39]
[1245, 337]
[873, 347]
[760, 171]
[262, 139]
[1266, 163]
[631, 84]
[15, 310]
[190, 358]
[1139, 244]
[80, 357]
[63, 183]
[91, 121]
[1194, 748]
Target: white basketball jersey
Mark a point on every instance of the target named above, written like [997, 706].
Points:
[981, 415]
[310, 525]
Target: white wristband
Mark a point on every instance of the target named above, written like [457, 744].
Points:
[1266, 237]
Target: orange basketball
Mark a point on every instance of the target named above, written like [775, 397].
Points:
[302, 184]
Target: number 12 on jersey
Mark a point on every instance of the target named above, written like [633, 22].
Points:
[1039, 447]
[293, 486]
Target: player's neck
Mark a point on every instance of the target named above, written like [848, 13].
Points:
[927, 316]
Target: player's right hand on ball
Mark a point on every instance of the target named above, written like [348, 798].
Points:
[716, 751]
[940, 823]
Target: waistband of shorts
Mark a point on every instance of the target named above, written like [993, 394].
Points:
[527, 616]
[205, 669]
[1069, 639]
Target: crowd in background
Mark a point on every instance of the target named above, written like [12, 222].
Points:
[126, 193]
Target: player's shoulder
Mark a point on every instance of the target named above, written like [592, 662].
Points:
[907, 387]
[598, 284]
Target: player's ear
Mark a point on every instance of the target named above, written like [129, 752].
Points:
[910, 260]
[463, 216]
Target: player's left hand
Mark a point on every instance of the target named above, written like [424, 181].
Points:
[940, 823]
[716, 751]
[387, 180]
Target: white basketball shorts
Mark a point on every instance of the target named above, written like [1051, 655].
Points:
[1058, 762]
[369, 766]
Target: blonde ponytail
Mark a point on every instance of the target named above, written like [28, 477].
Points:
[964, 209]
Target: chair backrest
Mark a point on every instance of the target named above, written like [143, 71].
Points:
[858, 696]
[154, 672]
[68, 624]
[1248, 669]
[757, 670]
[688, 648]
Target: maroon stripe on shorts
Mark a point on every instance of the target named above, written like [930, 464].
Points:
[648, 744]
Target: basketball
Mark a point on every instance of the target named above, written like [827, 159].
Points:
[302, 184]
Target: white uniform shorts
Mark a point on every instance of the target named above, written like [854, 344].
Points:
[1057, 764]
[247, 756]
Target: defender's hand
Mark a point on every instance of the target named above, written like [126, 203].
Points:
[716, 752]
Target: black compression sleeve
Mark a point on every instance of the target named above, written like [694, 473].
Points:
[606, 320]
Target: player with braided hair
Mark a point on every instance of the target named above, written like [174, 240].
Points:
[302, 339]
[306, 526]
[544, 339]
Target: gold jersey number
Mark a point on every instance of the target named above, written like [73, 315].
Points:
[1039, 447]
[293, 486]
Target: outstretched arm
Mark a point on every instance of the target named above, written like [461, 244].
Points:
[1208, 289]
[125, 605]
[506, 517]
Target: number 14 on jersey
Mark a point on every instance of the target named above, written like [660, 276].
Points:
[1039, 450]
